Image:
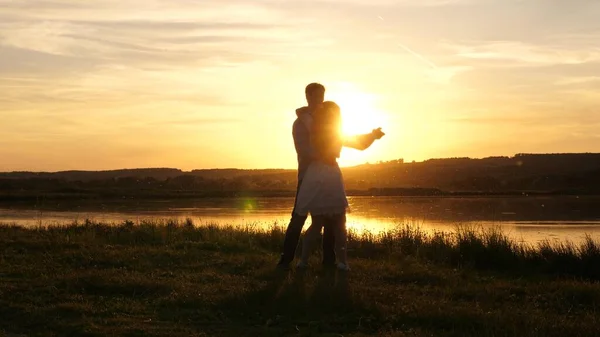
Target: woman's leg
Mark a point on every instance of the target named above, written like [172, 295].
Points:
[311, 237]
[341, 236]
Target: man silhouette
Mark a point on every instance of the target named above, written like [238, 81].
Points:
[315, 95]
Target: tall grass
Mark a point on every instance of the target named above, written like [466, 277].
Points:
[466, 247]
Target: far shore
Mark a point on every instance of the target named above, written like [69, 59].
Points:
[375, 192]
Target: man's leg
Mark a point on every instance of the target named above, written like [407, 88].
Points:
[292, 234]
[328, 243]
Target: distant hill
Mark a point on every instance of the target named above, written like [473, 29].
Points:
[156, 173]
[528, 173]
[531, 172]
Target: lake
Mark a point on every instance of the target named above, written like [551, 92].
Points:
[527, 219]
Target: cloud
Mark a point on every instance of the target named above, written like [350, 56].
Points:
[396, 3]
[196, 122]
[444, 75]
[111, 52]
[578, 80]
[526, 53]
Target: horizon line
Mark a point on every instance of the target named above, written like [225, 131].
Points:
[293, 169]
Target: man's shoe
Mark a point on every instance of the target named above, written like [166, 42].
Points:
[284, 263]
[283, 266]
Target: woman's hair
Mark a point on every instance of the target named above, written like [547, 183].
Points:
[326, 132]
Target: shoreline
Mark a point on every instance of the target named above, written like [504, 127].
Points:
[280, 194]
[410, 239]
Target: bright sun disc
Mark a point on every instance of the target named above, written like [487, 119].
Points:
[360, 115]
[359, 112]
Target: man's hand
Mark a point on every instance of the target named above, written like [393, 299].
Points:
[377, 133]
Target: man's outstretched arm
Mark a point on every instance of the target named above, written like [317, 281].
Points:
[363, 142]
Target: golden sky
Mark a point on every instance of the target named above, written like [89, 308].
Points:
[107, 84]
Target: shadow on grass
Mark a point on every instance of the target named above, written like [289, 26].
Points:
[298, 302]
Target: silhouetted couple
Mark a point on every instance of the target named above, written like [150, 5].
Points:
[320, 192]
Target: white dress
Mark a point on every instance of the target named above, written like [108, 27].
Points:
[322, 191]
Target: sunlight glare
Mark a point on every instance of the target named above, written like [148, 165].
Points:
[360, 115]
[359, 110]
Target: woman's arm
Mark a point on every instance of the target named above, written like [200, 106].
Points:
[363, 142]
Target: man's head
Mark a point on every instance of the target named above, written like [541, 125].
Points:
[315, 94]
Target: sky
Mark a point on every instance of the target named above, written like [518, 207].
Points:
[190, 84]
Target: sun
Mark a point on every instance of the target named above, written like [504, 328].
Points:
[359, 111]
[360, 115]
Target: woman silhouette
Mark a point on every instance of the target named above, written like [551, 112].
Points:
[322, 193]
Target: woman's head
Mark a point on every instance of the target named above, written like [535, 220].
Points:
[326, 130]
[331, 114]
[331, 105]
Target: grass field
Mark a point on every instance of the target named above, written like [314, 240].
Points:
[165, 278]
